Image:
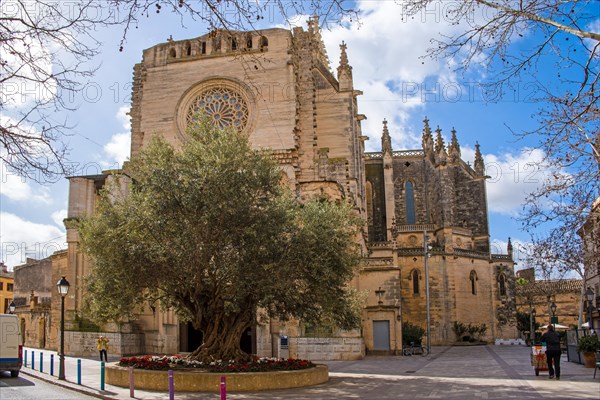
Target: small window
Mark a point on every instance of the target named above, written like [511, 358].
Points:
[172, 53]
[1, 285]
[249, 42]
[415, 281]
[473, 279]
[9, 287]
[188, 49]
[502, 285]
[203, 47]
[410, 203]
[234, 44]
[264, 42]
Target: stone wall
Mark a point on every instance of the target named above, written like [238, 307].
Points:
[83, 344]
[337, 348]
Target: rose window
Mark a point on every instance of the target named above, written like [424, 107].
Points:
[225, 107]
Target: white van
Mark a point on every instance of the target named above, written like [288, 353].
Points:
[11, 346]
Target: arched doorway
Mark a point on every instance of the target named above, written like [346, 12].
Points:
[248, 340]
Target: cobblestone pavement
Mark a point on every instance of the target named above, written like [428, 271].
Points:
[461, 372]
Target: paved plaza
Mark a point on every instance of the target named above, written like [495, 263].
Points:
[460, 372]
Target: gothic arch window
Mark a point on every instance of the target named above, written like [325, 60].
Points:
[473, 279]
[172, 53]
[234, 44]
[264, 42]
[188, 49]
[414, 276]
[369, 195]
[502, 285]
[410, 202]
[249, 42]
[203, 47]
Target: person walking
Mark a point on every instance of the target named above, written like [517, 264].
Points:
[552, 340]
[103, 347]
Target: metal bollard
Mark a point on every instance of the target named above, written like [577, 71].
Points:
[33, 360]
[102, 375]
[171, 386]
[131, 382]
[51, 364]
[41, 362]
[223, 389]
[78, 371]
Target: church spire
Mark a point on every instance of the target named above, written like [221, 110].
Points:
[509, 249]
[344, 70]
[454, 148]
[478, 166]
[319, 47]
[386, 140]
[427, 138]
[439, 141]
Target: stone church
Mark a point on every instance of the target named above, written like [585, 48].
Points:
[276, 85]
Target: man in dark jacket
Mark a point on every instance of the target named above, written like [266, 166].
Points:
[552, 351]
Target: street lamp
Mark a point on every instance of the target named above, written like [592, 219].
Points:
[63, 289]
[589, 293]
[553, 308]
[12, 307]
[426, 256]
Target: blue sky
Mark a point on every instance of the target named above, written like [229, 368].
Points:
[398, 84]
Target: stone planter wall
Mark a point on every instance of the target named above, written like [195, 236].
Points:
[197, 381]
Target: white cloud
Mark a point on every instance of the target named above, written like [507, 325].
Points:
[385, 50]
[118, 148]
[18, 188]
[27, 239]
[512, 178]
[58, 217]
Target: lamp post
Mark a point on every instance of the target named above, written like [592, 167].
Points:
[426, 256]
[553, 308]
[589, 293]
[12, 307]
[63, 289]
[531, 323]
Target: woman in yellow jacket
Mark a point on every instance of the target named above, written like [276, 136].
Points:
[103, 347]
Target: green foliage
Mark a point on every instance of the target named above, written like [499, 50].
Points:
[460, 329]
[475, 332]
[209, 231]
[588, 344]
[411, 333]
[523, 322]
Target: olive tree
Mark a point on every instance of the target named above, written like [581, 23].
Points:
[208, 231]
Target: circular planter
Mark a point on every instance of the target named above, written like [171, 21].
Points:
[198, 381]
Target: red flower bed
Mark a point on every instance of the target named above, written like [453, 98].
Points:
[256, 365]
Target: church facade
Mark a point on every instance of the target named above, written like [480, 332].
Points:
[276, 85]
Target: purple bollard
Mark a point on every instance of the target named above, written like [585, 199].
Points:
[223, 389]
[171, 386]
[131, 382]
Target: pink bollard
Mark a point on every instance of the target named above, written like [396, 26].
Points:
[223, 389]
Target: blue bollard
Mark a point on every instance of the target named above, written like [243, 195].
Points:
[41, 362]
[33, 360]
[79, 372]
[171, 386]
[51, 364]
[102, 375]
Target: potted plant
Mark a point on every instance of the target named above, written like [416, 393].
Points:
[588, 345]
